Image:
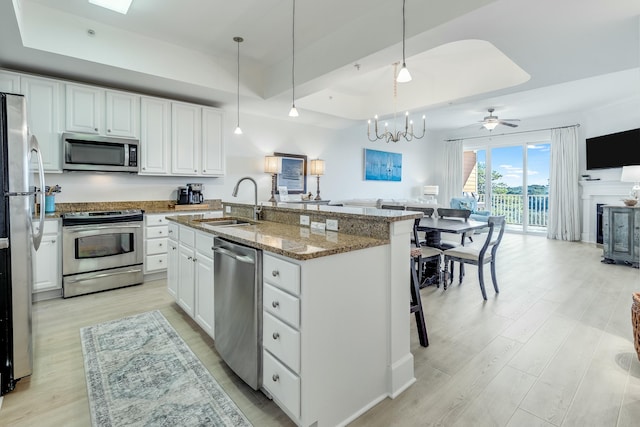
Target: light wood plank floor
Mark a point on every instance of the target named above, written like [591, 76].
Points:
[555, 348]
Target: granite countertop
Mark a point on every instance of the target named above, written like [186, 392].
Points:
[292, 241]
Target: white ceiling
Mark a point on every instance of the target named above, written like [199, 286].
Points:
[525, 58]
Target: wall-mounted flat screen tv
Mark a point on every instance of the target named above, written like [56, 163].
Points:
[614, 150]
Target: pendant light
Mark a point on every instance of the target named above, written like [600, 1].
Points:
[294, 111]
[403, 75]
[238, 131]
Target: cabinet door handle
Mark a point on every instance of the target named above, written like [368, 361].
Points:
[189, 258]
[275, 273]
[195, 259]
[53, 241]
[108, 130]
[159, 231]
[96, 129]
[275, 335]
[160, 244]
[275, 377]
[275, 304]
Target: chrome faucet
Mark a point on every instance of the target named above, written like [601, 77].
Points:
[256, 209]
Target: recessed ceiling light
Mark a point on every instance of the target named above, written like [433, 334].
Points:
[120, 6]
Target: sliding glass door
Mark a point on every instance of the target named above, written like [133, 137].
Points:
[511, 180]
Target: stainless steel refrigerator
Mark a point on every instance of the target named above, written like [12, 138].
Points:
[20, 234]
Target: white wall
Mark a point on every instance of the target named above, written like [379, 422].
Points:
[342, 150]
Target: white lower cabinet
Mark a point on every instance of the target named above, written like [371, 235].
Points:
[156, 232]
[46, 262]
[186, 270]
[280, 332]
[190, 273]
[172, 261]
[204, 282]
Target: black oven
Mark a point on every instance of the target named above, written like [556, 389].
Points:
[101, 250]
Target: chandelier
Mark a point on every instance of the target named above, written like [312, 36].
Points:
[395, 136]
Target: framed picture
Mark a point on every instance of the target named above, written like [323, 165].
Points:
[293, 174]
[382, 165]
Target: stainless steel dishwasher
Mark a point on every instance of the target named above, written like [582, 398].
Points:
[238, 308]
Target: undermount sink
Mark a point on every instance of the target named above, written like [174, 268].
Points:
[225, 223]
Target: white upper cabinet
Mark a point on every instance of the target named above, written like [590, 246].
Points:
[123, 114]
[213, 161]
[43, 117]
[105, 112]
[197, 144]
[186, 136]
[9, 82]
[155, 136]
[84, 109]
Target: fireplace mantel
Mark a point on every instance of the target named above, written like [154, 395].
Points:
[595, 192]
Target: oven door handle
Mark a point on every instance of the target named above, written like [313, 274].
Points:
[84, 228]
[101, 275]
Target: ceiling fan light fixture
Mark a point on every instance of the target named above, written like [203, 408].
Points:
[490, 124]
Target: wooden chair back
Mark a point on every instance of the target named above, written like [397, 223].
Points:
[454, 213]
[393, 207]
[425, 211]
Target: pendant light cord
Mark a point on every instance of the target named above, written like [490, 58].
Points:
[238, 81]
[293, 54]
[403, 32]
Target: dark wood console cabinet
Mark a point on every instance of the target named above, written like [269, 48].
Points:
[621, 234]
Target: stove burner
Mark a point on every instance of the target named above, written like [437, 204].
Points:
[101, 217]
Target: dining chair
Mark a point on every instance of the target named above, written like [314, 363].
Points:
[480, 256]
[393, 207]
[462, 215]
[428, 254]
[428, 212]
[416, 299]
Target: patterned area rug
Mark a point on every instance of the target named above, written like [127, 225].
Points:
[140, 373]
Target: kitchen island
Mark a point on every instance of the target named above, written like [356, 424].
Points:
[335, 305]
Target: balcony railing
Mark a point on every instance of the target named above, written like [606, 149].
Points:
[512, 207]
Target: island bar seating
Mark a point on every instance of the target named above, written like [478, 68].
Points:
[416, 299]
[479, 257]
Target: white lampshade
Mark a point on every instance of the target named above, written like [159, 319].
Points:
[430, 190]
[316, 167]
[630, 174]
[272, 164]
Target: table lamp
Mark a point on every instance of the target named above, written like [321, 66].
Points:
[272, 165]
[316, 167]
[632, 174]
[431, 191]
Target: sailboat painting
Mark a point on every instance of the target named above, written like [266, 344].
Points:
[382, 166]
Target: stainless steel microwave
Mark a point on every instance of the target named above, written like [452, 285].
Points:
[86, 152]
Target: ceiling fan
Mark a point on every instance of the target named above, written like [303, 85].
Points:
[490, 122]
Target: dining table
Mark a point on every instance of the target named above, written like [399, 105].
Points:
[433, 226]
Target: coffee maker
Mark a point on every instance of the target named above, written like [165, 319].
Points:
[195, 193]
[183, 196]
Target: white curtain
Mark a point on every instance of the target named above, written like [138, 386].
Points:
[564, 202]
[452, 179]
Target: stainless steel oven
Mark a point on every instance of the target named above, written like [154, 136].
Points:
[101, 250]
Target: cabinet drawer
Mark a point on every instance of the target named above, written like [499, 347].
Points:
[283, 384]
[187, 236]
[204, 243]
[173, 231]
[282, 341]
[284, 306]
[282, 274]
[155, 262]
[157, 246]
[153, 232]
[159, 219]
